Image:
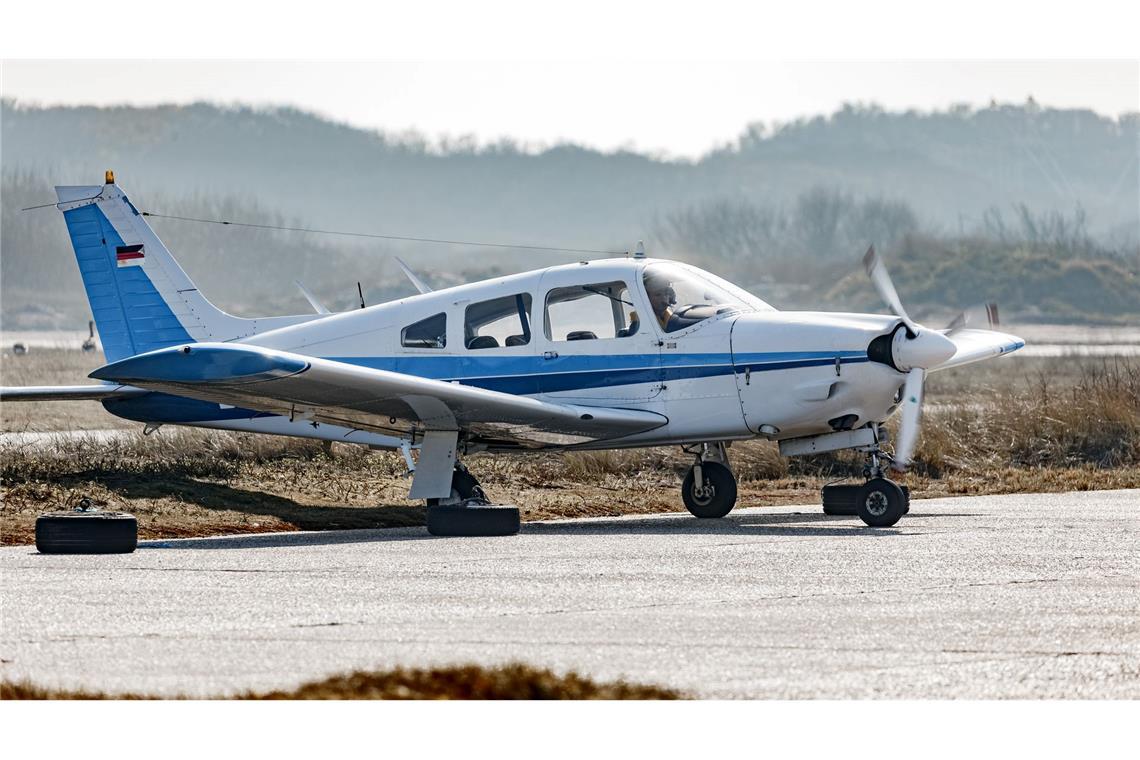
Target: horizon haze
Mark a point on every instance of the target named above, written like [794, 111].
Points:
[667, 109]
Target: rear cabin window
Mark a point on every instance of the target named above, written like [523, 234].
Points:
[427, 333]
[498, 323]
[591, 312]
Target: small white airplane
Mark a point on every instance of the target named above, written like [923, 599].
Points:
[614, 353]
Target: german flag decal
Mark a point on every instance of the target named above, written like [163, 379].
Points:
[129, 255]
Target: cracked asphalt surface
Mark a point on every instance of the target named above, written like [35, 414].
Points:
[1026, 596]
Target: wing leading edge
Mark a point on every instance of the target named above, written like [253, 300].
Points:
[345, 394]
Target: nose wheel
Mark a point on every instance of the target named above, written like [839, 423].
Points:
[880, 503]
[840, 498]
[709, 488]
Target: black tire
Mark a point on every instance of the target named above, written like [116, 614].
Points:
[719, 496]
[840, 498]
[86, 533]
[489, 520]
[880, 503]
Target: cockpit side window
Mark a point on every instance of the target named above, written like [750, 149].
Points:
[427, 333]
[681, 298]
[596, 311]
[500, 322]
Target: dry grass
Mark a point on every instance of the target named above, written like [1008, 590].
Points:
[1049, 425]
[1091, 418]
[513, 681]
[183, 482]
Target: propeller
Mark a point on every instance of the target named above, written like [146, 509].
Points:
[913, 351]
[877, 271]
[911, 421]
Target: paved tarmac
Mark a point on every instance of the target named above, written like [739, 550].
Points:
[1006, 596]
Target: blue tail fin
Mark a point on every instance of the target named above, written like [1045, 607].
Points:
[140, 297]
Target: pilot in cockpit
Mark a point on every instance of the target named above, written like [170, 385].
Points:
[662, 296]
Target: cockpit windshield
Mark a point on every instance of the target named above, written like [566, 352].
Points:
[683, 296]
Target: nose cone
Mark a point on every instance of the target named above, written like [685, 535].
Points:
[928, 349]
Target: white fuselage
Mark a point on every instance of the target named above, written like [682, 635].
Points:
[747, 372]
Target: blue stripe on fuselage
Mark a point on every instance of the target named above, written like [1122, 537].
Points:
[522, 375]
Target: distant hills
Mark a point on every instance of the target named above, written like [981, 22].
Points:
[1031, 283]
[949, 166]
[942, 173]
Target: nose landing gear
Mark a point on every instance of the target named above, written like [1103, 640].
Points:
[880, 502]
[709, 488]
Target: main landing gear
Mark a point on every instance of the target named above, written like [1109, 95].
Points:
[879, 502]
[709, 488]
[468, 511]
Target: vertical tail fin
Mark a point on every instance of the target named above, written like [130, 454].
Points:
[140, 297]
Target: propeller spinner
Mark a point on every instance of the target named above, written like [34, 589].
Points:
[913, 350]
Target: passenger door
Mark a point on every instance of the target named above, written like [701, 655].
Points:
[591, 348]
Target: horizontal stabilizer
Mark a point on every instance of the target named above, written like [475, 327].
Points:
[69, 392]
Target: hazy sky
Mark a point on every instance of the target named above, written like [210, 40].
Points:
[676, 108]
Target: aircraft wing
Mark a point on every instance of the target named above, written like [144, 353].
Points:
[339, 393]
[974, 345]
[69, 392]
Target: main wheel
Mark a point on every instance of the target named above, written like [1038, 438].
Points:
[488, 520]
[715, 496]
[880, 503]
[86, 533]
